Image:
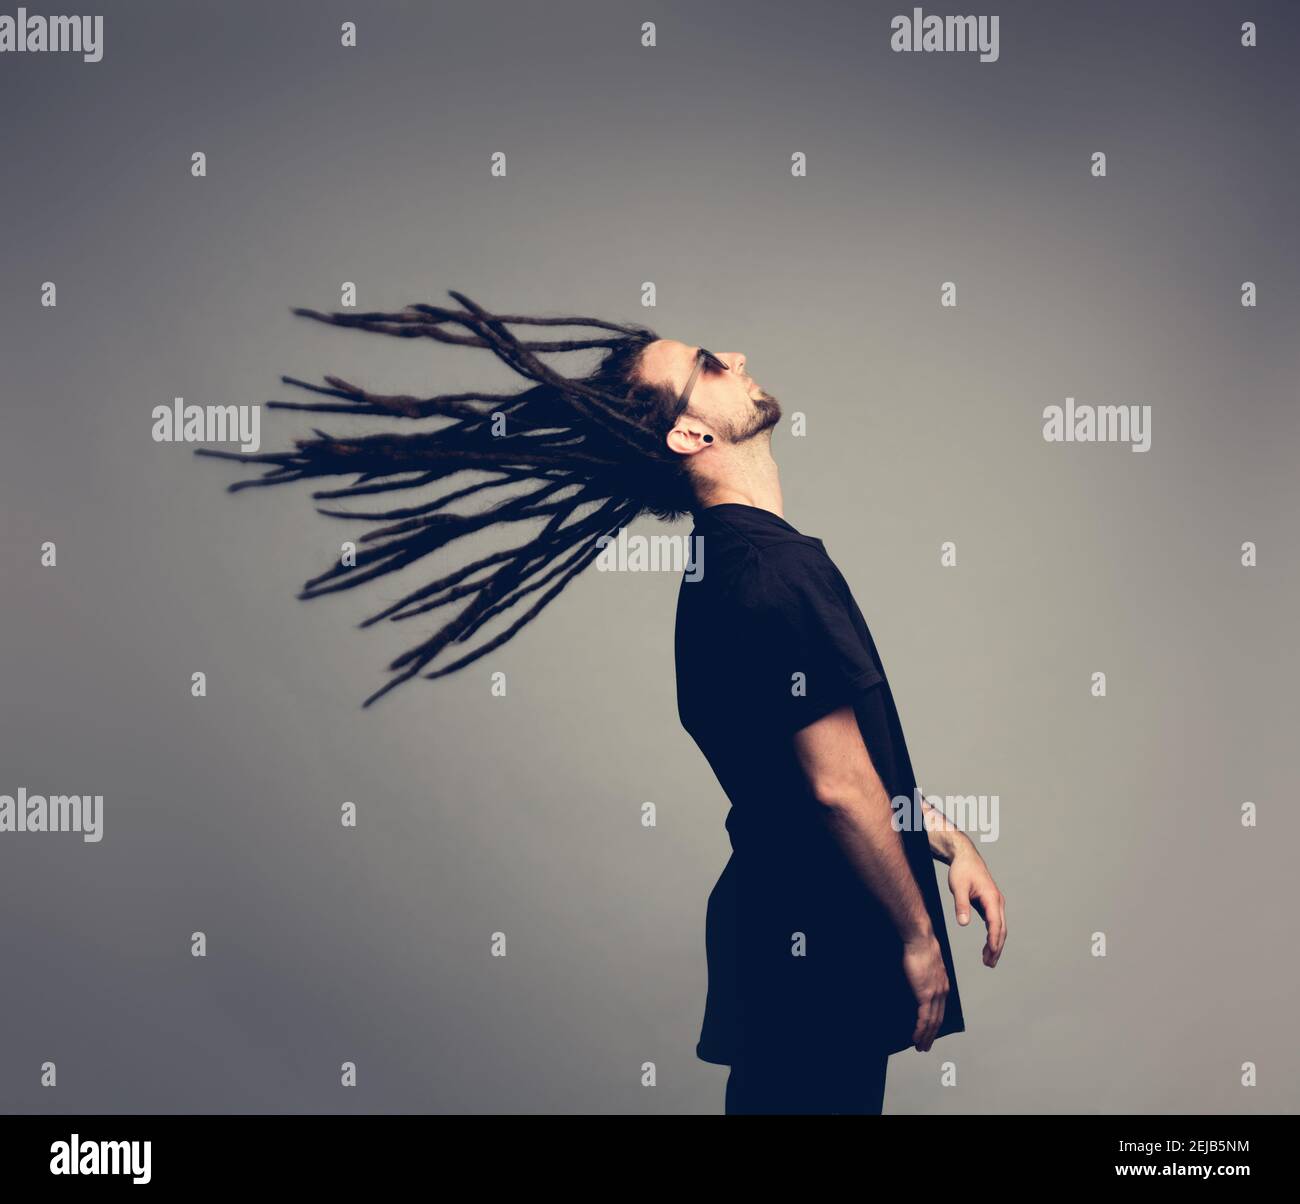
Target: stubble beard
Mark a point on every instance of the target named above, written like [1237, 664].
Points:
[767, 413]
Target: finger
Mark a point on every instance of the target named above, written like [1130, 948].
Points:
[961, 897]
[933, 1018]
[997, 933]
[932, 1023]
[941, 1006]
[924, 1022]
[1000, 930]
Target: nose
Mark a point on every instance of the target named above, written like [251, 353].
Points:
[736, 361]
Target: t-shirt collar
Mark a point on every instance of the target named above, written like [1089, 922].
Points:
[743, 516]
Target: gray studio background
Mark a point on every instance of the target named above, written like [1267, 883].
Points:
[480, 814]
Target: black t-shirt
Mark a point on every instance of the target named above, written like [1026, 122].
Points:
[768, 640]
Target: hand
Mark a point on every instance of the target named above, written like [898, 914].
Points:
[972, 885]
[926, 975]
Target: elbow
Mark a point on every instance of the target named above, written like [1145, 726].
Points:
[835, 796]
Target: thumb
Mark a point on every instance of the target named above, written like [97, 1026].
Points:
[962, 896]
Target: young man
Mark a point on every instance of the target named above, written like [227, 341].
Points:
[826, 942]
[825, 935]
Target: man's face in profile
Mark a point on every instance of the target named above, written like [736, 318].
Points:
[726, 399]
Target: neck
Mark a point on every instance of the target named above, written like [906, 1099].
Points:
[751, 482]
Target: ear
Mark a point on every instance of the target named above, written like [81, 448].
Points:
[689, 437]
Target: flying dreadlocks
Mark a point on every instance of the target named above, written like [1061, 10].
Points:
[587, 455]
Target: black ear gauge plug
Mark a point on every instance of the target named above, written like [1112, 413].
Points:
[708, 438]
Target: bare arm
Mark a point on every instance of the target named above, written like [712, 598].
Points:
[857, 809]
[969, 880]
[945, 836]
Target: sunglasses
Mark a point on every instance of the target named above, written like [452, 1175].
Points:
[707, 361]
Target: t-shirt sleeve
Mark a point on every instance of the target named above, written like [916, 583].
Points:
[809, 656]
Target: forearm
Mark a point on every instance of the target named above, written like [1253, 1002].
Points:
[861, 822]
[945, 837]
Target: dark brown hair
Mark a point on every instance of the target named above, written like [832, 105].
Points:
[584, 454]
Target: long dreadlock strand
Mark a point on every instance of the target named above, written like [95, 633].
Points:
[583, 455]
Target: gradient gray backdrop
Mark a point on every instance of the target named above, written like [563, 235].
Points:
[522, 814]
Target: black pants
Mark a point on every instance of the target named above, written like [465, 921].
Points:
[790, 1086]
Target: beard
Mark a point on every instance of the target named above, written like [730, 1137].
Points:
[767, 413]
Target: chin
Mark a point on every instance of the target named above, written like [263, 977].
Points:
[768, 415]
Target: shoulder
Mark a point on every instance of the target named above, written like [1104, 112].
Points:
[799, 561]
[790, 573]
